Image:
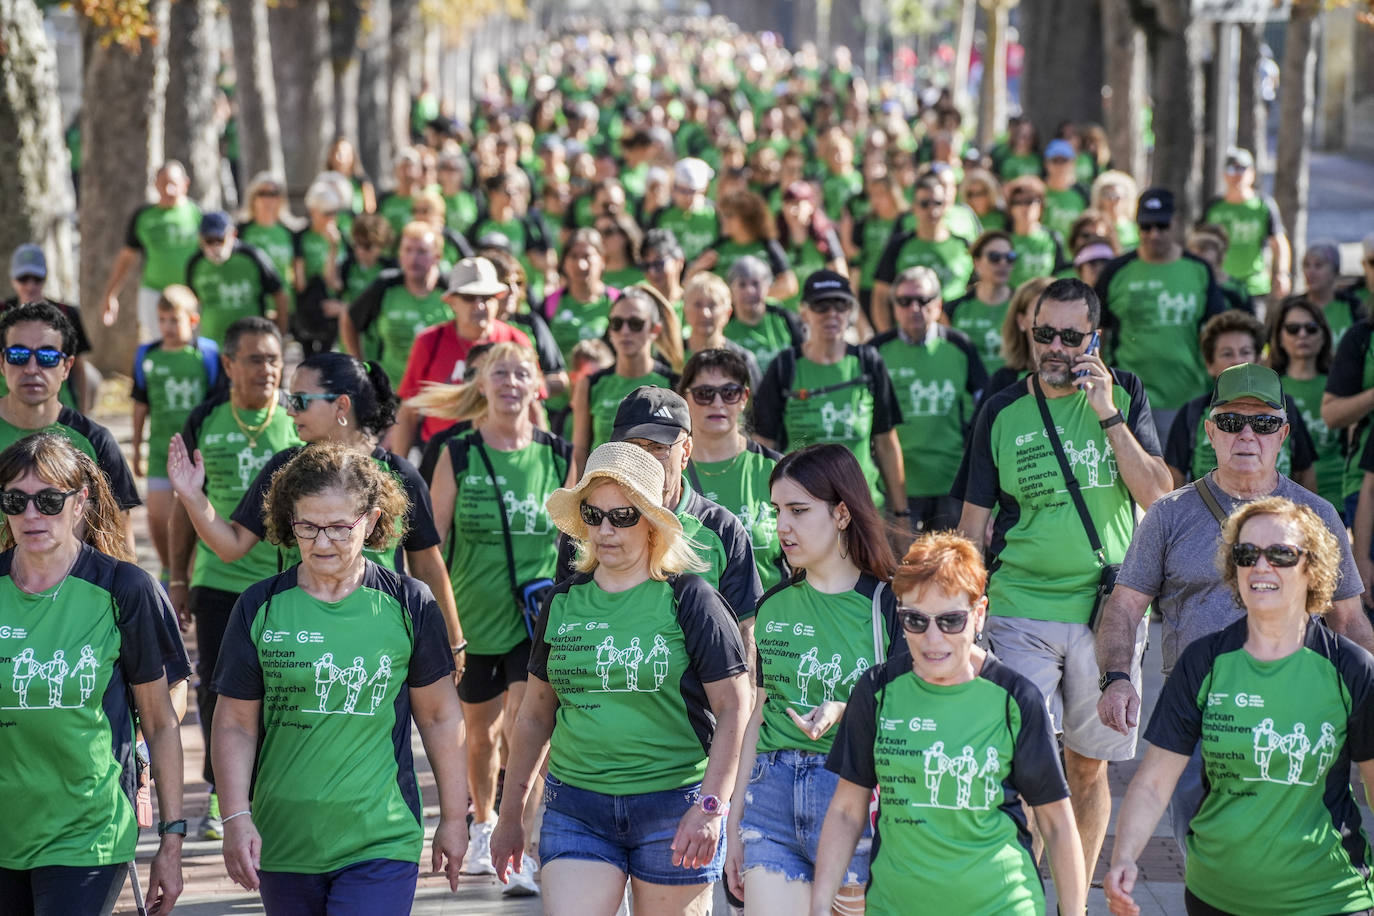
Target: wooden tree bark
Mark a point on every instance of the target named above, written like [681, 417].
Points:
[992, 103]
[345, 20]
[1064, 62]
[405, 32]
[1124, 95]
[1251, 125]
[192, 132]
[1176, 68]
[1299, 68]
[374, 92]
[35, 184]
[122, 123]
[963, 52]
[305, 89]
[256, 90]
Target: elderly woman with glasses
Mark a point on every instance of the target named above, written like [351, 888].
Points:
[638, 689]
[311, 738]
[1280, 706]
[957, 745]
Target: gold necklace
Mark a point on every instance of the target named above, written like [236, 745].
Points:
[252, 432]
[729, 466]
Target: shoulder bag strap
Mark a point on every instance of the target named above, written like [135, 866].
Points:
[1069, 479]
[1204, 489]
[879, 623]
[694, 477]
[501, 509]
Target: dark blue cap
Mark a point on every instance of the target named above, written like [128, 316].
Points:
[214, 225]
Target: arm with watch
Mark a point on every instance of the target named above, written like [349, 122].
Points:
[1119, 706]
[698, 833]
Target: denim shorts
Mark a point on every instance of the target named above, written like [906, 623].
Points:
[632, 832]
[784, 808]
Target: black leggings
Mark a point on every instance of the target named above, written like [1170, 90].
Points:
[1198, 908]
[61, 890]
[211, 608]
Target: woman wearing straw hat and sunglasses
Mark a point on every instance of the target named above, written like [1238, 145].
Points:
[638, 688]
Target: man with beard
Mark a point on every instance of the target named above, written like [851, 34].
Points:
[1043, 587]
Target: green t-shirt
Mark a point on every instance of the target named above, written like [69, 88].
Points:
[628, 669]
[813, 648]
[1018, 164]
[172, 383]
[950, 259]
[1062, 208]
[314, 249]
[982, 322]
[962, 222]
[729, 251]
[1340, 314]
[1330, 463]
[91, 438]
[740, 486]
[476, 551]
[235, 289]
[1249, 225]
[837, 189]
[66, 711]
[775, 333]
[1043, 568]
[806, 259]
[335, 782]
[396, 209]
[574, 321]
[871, 235]
[1037, 255]
[398, 319]
[232, 462]
[625, 276]
[695, 229]
[1277, 740]
[460, 211]
[166, 237]
[278, 243]
[607, 388]
[935, 381]
[1159, 308]
[954, 766]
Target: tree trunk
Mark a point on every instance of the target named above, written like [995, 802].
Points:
[345, 19]
[1124, 97]
[1299, 68]
[305, 87]
[256, 91]
[374, 93]
[992, 108]
[122, 120]
[192, 131]
[1178, 105]
[963, 51]
[36, 183]
[1064, 62]
[405, 20]
[1250, 113]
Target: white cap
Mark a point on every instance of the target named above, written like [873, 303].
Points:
[693, 173]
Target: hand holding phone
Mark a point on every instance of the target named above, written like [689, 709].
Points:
[1093, 343]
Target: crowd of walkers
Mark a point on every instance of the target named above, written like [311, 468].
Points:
[737, 479]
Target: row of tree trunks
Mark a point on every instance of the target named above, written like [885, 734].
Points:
[1299, 69]
[1063, 75]
[305, 89]
[192, 130]
[1124, 96]
[255, 90]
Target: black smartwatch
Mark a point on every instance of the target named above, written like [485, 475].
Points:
[1115, 419]
[1106, 679]
[166, 827]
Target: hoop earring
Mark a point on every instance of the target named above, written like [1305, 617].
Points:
[844, 544]
[343, 421]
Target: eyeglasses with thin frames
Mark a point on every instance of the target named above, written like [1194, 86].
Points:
[309, 531]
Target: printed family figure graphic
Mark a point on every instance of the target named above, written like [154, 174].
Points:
[1091, 459]
[536, 519]
[631, 657]
[964, 768]
[55, 671]
[845, 417]
[354, 678]
[828, 673]
[931, 399]
[1297, 747]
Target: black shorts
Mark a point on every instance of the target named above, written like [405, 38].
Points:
[488, 676]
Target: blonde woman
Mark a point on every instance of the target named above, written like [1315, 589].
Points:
[1114, 195]
[639, 691]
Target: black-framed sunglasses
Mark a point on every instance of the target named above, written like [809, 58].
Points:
[1297, 328]
[1264, 424]
[930, 203]
[48, 501]
[620, 516]
[48, 357]
[821, 306]
[1045, 334]
[635, 323]
[906, 302]
[998, 257]
[297, 402]
[1281, 556]
[950, 622]
[705, 395]
[1155, 227]
[309, 531]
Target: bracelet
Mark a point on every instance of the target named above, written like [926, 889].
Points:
[176, 583]
[225, 820]
[902, 513]
[462, 646]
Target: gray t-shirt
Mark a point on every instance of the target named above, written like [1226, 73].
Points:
[1173, 558]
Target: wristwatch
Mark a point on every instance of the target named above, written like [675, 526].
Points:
[1108, 677]
[712, 805]
[166, 827]
[1115, 419]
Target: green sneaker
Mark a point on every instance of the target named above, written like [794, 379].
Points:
[212, 828]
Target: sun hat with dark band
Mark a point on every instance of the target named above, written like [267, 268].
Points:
[637, 473]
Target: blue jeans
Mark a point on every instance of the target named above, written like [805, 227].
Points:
[784, 808]
[377, 887]
[632, 832]
[59, 890]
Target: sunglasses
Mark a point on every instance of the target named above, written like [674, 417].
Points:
[906, 302]
[297, 402]
[309, 531]
[1155, 227]
[1044, 334]
[635, 324]
[929, 203]
[1263, 424]
[1281, 556]
[705, 395]
[47, 501]
[914, 621]
[1297, 328]
[1026, 201]
[620, 517]
[821, 306]
[28, 279]
[997, 257]
[48, 357]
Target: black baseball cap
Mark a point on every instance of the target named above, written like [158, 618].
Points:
[1155, 208]
[653, 413]
[827, 284]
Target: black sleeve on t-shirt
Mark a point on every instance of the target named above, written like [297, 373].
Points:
[982, 484]
[248, 512]
[107, 456]
[777, 257]
[1215, 301]
[550, 357]
[1304, 453]
[238, 670]
[771, 400]
[131, 239]
[420, 531]
[536, 232]
[851, 753]
[1036, 772]
[887, 413]
[147, 650]
[709, 629]
[1275, 226]
[1139, 417]
[365, 309]
[1176, 724]
[267, 271]
[431, 659]
[886, 270]
[1179, 448]
[977, 379]
[1356, 667]
[739, 580]
[177, 663]
[1347, 367]
[539, 650]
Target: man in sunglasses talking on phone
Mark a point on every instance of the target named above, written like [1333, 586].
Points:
[1172, 558]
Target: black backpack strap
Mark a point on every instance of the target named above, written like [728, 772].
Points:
[1069, 479]
[694, 477]
[1209, 499]
[501, 509]
[458, 448]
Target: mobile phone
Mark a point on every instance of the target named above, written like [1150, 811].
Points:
[1091, 351]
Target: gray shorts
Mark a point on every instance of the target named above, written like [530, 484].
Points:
[1059, 659]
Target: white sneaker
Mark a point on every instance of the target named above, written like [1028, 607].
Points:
[521, 883]
[478, 859]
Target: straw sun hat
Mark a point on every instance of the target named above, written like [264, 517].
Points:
[619, 462]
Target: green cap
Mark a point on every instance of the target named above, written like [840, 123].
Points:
[1249, 381]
